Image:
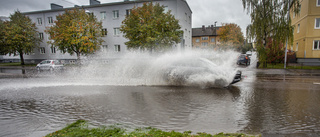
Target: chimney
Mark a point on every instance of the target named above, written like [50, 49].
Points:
[55, 6]
[94, 2]
[203, 28]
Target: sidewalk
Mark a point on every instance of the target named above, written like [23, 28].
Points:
[288, 72]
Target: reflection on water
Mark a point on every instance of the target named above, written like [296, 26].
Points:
[13, 70]
[281, 107]
[259, 107]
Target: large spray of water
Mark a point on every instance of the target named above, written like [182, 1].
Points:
[189, 68]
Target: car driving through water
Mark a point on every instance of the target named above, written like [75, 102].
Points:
[199, 72]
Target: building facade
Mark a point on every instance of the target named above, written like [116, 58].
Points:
[205, 37]
[111, 15]
[307, 32]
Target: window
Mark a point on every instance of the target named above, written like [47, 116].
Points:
[128, 12]
[90, 14]
[115, 14]
[197, 40]
[41, 36]
[103, 15]
[42, 50]
[297, 46]
[293, 14]
[104, 48]
[293, 31]
[212, 39]
[30, 53]
[117, 48]
[299, 10]
[318, 2]
[53, 50]
[116, 31]
[317, 23]
[204, 43]
[316, 45]
[186, 16]
[205, 38]
[298, 29]
[104, 32]
[166, 9]
[39, 21]
[50, 21]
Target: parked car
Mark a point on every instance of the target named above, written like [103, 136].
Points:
[50, 65]
[249, 53]
[243, 59]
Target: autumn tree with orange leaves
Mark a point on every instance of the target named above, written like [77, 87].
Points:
[230, 34]
[18, 36]
[76, 32]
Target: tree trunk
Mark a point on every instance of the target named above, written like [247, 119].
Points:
[78, 58]
[21, 58]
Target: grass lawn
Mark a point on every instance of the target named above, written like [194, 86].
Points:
[80, 128]
[16, 64]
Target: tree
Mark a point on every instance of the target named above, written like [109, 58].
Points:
[269, 23]
[149, 27]
[19, 35]
[231, 33]
[77, 32]
[3, 45]
[246, 47]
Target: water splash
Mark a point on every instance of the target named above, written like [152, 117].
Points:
[190, 68]
[202, 69]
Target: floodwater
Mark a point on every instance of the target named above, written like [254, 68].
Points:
[258, 104]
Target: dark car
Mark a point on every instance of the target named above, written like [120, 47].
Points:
[243, 59]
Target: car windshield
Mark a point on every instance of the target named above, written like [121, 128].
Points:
[242, 57]
[43, 62]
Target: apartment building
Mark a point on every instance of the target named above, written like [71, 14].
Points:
[111, 15]
[307, 32]
[205, 37]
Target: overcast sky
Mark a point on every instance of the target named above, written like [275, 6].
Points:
[204, 12]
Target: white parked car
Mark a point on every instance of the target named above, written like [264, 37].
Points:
[49, 65]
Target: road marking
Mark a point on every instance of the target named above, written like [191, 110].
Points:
[316, 83]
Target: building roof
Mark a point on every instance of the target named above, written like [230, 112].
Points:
[205, 31]
[100, 5]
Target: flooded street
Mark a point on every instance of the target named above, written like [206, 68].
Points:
[262, 103]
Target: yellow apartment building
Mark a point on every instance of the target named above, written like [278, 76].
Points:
[205, 37]
[307, 32]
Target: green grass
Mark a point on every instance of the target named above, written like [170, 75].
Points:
[16, 64]
[81, 128]
[281, 66]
